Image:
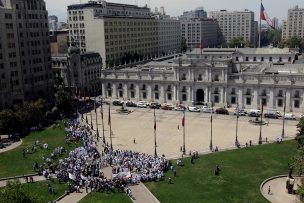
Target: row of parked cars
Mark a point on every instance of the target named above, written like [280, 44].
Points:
[272, 113]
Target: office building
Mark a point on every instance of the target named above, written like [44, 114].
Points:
[197, 13]
[236, 24]
[25, 66]
[293, 26]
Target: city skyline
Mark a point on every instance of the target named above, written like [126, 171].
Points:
[175, 9]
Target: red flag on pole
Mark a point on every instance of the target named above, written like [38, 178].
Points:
[154, 120]
[183, 120]
[109, 121]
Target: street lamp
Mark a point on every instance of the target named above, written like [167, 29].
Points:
[211, 144]
[283, 129]
[237, 144]
[260, 137]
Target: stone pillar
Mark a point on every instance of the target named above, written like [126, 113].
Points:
[150, 93]
[271, 99]
[176, 93]
[114, 93]
[104, 93]
[288, 100]
[162, 94]
[222, 95]
[137, 92]
[210, 94]
[125, 91]
[255, 103]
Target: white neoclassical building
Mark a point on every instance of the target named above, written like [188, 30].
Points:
[213, 76]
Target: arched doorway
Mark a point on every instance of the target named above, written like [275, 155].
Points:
[200, 95]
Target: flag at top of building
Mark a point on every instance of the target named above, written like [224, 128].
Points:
[265, 17]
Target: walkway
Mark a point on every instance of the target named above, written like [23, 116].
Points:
[141, 194]
[22, 180]
[278, 193]
[76, 197]
[11, 146]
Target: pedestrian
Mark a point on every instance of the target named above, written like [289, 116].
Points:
[192, 160]
[181, 148]
[269, 190]
[177, 127]
[266, 140]
[246, 144]
[134, 141]
[174, 173]
[169, 180]
[250, 143]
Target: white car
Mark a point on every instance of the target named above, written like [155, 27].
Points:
[290, 116]
[193, 109]
[206, 109]
[142, 104]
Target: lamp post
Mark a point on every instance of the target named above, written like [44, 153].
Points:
[101, 113]
[184, 134]
[236, 127]
[283, 129]
[211, 144]
[155, 143]
[260, 137]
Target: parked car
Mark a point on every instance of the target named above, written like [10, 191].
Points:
[222, 111]
[290, 116]
[194, 109]
[142, 104]
[271, 115]
[118, 103]
[180, 108]
[206, 109]
[131, 104]
[167, 107]
[242, 112]
[254, 113]
[155, 105]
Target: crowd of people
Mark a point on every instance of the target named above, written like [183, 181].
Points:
[82, 168]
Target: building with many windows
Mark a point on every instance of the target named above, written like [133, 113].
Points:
[201, 32]
[293, 26]
[25, 62]
[236, 24]
[220, 77]
[79, 71]
[121, 33]
[197, 13]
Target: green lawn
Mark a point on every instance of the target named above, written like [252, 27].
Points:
[97, 197]
[242, 173]
[12, 163]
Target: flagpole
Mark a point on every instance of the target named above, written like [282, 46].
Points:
[97, 131]
[110, 123]
[283, 129]
[260, 137]
[211, 145]
[101, 113]
[184, 134]
[236, 128]
[155, 144]
[260, 27]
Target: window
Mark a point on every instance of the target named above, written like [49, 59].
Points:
[156, 88]
[199, 77]
[156, 96]
[262, 58]
[233, 91]
[270, 58]
[169, 96]
[264, 93]
[247, 59]
[132, 94]
[120, 93]
[280, 102]
[144, 87]
[144, 95]
[254, 58]
[132, 86]
[109, 93]
[184, 77]
[169, 88]
[289, 59]
[297, 94]
[248, 101]
[296, 104]
[184, 97]
[280, 59]
[280, 94]
[216, 99]
[233, 100]
[237, 58]
[216, 78]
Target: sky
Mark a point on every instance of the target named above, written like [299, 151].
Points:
[274, 8]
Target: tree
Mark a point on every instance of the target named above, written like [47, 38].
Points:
[183, 45]
[239, 42]
[10, 122]
[300, 134]
[64, 101]
[296, 42]
[14, 192]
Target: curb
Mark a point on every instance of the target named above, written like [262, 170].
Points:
[156, 200]
[61, 197]
[17, 177]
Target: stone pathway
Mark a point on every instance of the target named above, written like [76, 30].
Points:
[11, 146]
[22, 180]
[278, 192]
[141, 194]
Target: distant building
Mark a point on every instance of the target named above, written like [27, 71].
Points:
[293, 26]
[276, 23]
[197, 13]
[236, 24]
[120, 33]
[80, 71]
[201, 32]
[25, 59]
[59, 42]
[53, 22]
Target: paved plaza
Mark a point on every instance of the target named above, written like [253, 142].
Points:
[139, 125]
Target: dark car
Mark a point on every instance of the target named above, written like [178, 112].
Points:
[253, 114]
[167, 107]
[222, 111]
[271, 115]
[117, 103]
[131, 104]
[155, 105]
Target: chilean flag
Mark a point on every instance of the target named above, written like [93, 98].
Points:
[265, 17]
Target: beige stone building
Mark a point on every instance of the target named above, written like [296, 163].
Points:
[293, 26]
[25, 66]
[120, 33]
[201, 32]
[236, 24]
